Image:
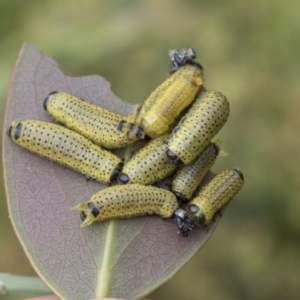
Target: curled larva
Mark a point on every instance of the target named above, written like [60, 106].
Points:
[149, 164]
[202, 122]
[188, 178]
[127, 201]
[170, 99]
[215, 195]
[66, 148]
[99, 125]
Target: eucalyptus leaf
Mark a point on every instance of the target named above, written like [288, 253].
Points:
[119, 258]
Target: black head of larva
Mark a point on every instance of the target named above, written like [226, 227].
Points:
[184, 222]
[239, 172]
[124, 178]
[17, 132]
[116, 171]
[174, 157]
[47, 99]
[194, 209]
[181, 197]
[93, 209]
[120, 125]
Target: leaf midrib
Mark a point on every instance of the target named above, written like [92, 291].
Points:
[104, 272]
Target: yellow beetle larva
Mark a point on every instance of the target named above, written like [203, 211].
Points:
[127, 201]
[169, 99]
[99, 125]
[149, 164]
[188, 178]
[215, 195]
[196, 129]
[66, 148]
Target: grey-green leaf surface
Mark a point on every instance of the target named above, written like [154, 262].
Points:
[119, 258]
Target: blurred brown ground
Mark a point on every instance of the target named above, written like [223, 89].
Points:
[250, 52]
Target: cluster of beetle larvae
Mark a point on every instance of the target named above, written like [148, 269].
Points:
[181, 146]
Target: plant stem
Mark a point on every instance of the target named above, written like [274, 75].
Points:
[22, 285]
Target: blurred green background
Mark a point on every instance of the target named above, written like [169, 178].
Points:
[250, 52]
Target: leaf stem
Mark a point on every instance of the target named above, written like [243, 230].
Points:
[22, 285]
[104, 273]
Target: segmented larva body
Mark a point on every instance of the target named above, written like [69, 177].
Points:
[155, 96]
[215, 195]
[169, 99]
[99, 125]
[127, 201]
[66, 148]
[149, 164]
[188, 178]
[196, 129]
